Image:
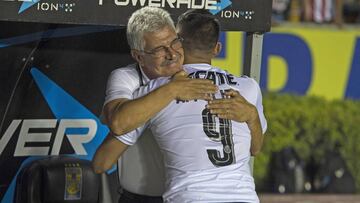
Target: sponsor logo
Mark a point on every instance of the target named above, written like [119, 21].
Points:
[44, 6]
[55, 7]
[212, 5]
[247, 15]
[32, 131]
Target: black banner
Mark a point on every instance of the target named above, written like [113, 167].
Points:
[240, 15]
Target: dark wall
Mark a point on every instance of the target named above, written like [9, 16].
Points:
[77, 59]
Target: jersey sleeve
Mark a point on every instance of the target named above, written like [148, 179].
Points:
[151, 86]
[121, 84]
[131, 137]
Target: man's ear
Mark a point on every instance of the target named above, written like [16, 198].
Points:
[217, 48]
[137, 56]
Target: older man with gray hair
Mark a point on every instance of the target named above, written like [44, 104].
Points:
[158, 52]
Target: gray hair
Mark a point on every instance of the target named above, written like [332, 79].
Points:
[146, 19]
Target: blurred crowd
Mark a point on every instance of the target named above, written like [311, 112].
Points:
[338, 12]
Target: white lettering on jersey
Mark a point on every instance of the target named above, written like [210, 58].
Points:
[216, 77]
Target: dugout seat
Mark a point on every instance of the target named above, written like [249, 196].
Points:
[59, 179]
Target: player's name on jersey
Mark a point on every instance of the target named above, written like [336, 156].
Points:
[216, 77]
[221, 95]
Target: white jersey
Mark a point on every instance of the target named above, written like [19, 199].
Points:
[141, 169]
[206, 158]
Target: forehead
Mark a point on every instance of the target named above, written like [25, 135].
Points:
[159, 38]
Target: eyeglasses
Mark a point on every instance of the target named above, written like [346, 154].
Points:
[161, 51]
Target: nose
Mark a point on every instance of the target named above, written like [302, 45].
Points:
[171, 53]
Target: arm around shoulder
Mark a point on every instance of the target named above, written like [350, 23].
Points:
[126, 115]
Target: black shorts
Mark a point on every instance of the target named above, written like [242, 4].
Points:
[129, 197]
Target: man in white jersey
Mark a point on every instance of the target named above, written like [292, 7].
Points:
[206, 155]
[158, 52]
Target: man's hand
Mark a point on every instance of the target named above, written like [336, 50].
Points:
[234, 107]
[185, 88]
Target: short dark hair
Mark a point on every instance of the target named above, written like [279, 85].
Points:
[199, 28]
